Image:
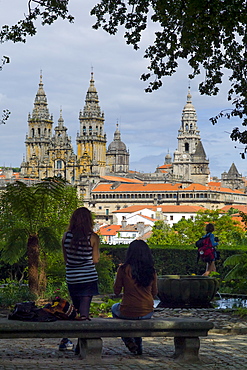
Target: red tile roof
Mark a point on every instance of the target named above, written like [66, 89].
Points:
[137, 187]
[109, 230]
[164, 209]
[165, 166]
[121, 179]
[237, 206]
[132, 209]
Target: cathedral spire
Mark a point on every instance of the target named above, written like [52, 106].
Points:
[117, 135]
[92, 108]
[189, 118]
[189, 96]
[40, 110]
[61, 120]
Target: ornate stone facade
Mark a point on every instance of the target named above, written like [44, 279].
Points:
[232, 179]
[189, 162]
[49, 155]
[117, 155]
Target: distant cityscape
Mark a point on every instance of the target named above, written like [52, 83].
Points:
[102, 176]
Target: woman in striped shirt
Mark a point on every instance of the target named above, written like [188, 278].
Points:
[81, 253]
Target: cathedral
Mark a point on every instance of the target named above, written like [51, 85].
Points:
[51, 154]
[49, 151]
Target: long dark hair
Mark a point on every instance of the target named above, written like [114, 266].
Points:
[81, 225]
[139, 257]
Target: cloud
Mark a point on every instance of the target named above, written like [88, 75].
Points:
[66, 53]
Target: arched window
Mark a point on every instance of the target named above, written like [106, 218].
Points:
[59, 164]
[186, 147]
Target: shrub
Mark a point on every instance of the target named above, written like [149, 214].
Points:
[105, 269]
[12, 292]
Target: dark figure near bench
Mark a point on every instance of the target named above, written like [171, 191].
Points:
[138, 279]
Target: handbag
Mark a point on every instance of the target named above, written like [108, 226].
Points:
[62, 309]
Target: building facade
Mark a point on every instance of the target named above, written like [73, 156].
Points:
[51, 154]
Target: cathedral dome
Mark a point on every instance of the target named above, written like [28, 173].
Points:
[117, 144]
[189, 107]
[168, 156]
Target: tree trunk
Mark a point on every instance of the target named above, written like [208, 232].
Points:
[42, 274]
[33, 263]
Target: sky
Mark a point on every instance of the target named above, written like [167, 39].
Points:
[67, 53]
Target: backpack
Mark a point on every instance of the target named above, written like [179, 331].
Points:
[62, 309]
[205, 250]
[28, 311]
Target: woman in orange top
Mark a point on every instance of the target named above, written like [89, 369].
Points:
[138, 279]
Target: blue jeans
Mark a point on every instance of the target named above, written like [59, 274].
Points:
[117, 315]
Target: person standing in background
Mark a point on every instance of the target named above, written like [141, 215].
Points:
[210, 266]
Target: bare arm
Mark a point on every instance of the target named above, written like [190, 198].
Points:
[95, 244]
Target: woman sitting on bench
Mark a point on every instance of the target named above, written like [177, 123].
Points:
[138, 279]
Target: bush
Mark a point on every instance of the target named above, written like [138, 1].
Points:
[12, 292]
[170, 260]
[105, 269]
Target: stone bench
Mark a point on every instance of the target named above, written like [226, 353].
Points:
[186, 333]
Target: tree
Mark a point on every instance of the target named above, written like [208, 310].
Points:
[186, 232]
[159, 233]
[47, 10]
[5, 112]
[210, 35]
[32, 221]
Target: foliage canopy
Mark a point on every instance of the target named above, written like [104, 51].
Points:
[210, 35]
[186, 232]
[32, 222]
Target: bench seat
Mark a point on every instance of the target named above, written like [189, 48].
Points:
[186, 332]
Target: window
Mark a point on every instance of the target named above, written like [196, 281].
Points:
[59, 165]
[171, 218]
[186, 147]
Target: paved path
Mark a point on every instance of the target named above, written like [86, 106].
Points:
[218, 351]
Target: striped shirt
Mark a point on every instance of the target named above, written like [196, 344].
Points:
[79, 267]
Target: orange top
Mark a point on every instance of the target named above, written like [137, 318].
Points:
[137, 300]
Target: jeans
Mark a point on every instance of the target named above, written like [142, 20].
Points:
[117, 315]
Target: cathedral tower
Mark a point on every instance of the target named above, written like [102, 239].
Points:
[190, 163]
[91, 141]
[38, 137]
[61, 157]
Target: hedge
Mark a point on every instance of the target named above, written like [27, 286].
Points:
[170, 260]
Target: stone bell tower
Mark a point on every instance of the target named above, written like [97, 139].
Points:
[190, 162]
[91, 141]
